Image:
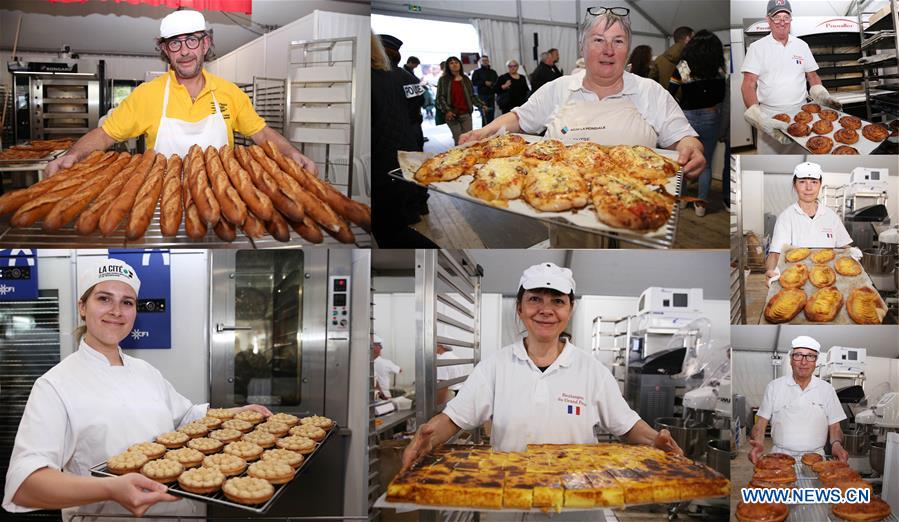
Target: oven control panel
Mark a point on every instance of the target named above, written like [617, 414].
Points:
[339, 303]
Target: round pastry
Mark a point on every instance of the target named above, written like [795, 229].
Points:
[220, 413]
[847, 266]
[274, 471]
[798, 129]
[262, 438]
[829, 115]
[822, 127]
[246, 450]
[317, 420]
[211, 422]
[828, 465]
[162, 470]
[253, 417]
[291, 457]
[194, 429]
[759, 512]
[811, 458]
[206, 445]
[824, 305]
[844, 484]
[848, 136]
[297, 443]
[226, 435]
[797, 254]
[150, 449]
[286, 418]
[188, 457]
[126, 462]
[871, 511]
[838, 474]
[851, 122]
[845, 150]
[793, 277]
[821, 276]
[248, 490]
[226, 463]
[781, 476]
[823, 256]
[237, 424]
[760, 483]
[172, 439]
[811, 107]
[875, 132]
[775, 460]
[278, 429]
[309, 431]
[782, 117]
[819, 144]
[201, 480]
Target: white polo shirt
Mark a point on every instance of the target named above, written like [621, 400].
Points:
[794, 227]
[383, 367]
[652, 101]
[558, 406]
[781, 70]
[781, 392]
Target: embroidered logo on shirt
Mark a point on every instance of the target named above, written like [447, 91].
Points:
[574, 410]
[828, 232]
[572, 403]
[798, 59]
[224, 108]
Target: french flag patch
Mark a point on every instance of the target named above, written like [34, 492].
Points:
[574, 410]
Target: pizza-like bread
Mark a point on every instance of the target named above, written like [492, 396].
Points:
[553, 187]
[824, 305]
[499, 180]
[865, 306]
[545, 150]
[871, 511]
[447, 166]
[785, 305]
[624, 202]
[503, 147]
[794, 277]
[797, 254]
[644, 163]
[823, 256]
[760, 512]
[588, 158]
[847, 266]
[822, 275]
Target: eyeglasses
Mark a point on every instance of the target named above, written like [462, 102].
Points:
[192, 42]
[617, 11]
[807, 356]
[780, 20]
[513, 65]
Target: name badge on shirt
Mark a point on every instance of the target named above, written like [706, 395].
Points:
[572, 404]
[798, 59]
[413, 90]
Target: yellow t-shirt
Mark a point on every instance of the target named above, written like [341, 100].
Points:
[140, 112]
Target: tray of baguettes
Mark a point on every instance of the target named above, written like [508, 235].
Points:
[822, 285]
[550, 477]
[241, 460]
[36, 151]
[117, 196]
[628, 191]
[820, 130]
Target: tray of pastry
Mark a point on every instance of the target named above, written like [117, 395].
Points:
[824, 511]
[237, 196]
[818, 285]
[623, 192]
[37, 151]
[215, 473]
[821, 130]
[550, 477]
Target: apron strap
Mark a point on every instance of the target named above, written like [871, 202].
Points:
[165, 97]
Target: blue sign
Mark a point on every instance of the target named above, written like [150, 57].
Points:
[18, 275]
[153, 326]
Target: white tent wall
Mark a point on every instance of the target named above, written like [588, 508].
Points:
[117, 67]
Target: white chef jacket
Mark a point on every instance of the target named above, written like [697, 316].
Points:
[383, 367]
[651, 99]
[781, 70]
[781, 392]
[451, 372]
[85, 410]
[793, 227]
[558, 406]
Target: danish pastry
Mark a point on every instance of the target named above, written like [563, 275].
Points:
[819, 144]
[172, 439]
[845, 150]
[822, 276]
[797, 254]
[317, 420]
[875, 132]
[220, 413]
[798, 130]
[775, 461]
[238, 424]
[851, 122]
[286, 418]
[187, 457]
[847, 136]
[865, 306]
[297, 443]
[248, 490]
[126, 462]
[262, 438]
[226, 463]
[291, 457]
[823, 256]
[206, 445]
[278, 429]
[226, 435]
[150, 449]
[211, 422]
[194, 429]
[809, 459]
[253, 417]
[794, 277]
[761, 512]
[824, 305]
[273, 470]
[822, 127]
[162, 470]
[784, 306]
[248, 451]
[828, 114]
[309, 431]
[201, 480]
[782, 117]
[811, 107]
[847, 266]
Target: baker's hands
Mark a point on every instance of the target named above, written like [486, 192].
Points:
[855, 253]
[254, 407]
[421, 445]
[770, 126]
[664, 442]
[837, 450]
[63, 162]
[304, 162]
[771, 276]
[821, 96]
[474, 135]
[689, 155]
[756, 451]
[137, 493]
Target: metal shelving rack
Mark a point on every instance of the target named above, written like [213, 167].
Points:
[269, 98]
[834, 198]
[321, 107]
[737, 247]
[607, 337]
[877, 31]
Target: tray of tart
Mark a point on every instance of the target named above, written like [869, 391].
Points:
[822, 286]
[622, 191]
[244, 461]
[821, 130]
[550, 477]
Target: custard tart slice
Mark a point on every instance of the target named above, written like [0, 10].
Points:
[822, 276]
[797, 254]
[847, 266]
[794, 277]
[865, 306]
[824, 305]
[785, 304]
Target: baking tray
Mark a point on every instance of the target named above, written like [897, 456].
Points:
[863, 145]
[818, 512]
[844, 284]
[218, 497]
[51, 155]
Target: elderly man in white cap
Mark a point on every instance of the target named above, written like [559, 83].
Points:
[185, 107]
[803, 410]
[775, 71]
[383, 368]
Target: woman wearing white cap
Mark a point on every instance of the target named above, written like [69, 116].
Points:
[806, 223]
[95, 403]
[541, 389]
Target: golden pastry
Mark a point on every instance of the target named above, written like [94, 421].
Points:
[761, 512]
[162, 470]
[823, 256]
[226, 435]
[785, 305]
[237, 424]
[297, 443]
[286, 418]
[847, 266]
[794, 276]
[245, 450]
[226, 463]
[212, 422]
[220, 413]
[309, 431]
[248, 490]
[172, 439]
[187, 457]
[150, 449]
[823, 305]
[126, 462]
[201, 480]
[274, 471]
[262, 438]
[797, 254]
[253, 417]
[291, 457]
[276, 428]
[865, 306]
[822, 275]
[194, 429]
[206, 445]
[317, 420]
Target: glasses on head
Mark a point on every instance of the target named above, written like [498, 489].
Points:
[599, 11]
[780, 20]
[513, 65]
[192, 42]
[812, 357]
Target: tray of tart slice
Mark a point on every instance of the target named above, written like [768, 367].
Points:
[550, 477]
[819, 286]
[249, 489]
[821, 130]
[623, 192]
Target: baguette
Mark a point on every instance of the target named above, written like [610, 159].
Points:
[12, 201]
[278, 228]
[308, 230]
[233, 207]
[145, 201]
[225, 230]
[257, 201]
[88, 220]
[281, 197]
[253, 227]
[67, 209]
[122, 204]
[170, 207]
[200, 191]
[194, 225]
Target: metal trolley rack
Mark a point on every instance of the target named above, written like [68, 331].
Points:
[737, 247]
[877, 31]
[269, 97]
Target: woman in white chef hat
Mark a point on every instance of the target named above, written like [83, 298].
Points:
[95, 403]
[806, 223]
[541, 389]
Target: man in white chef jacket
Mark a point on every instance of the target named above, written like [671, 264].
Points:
[383, 367]
[802, 409]
[775, 70]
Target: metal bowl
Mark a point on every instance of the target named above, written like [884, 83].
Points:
[878, 262]
[876, 456]
[719, 455]
[855, 443]
[690, 436]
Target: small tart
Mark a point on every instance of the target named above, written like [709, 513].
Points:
[172, 439]
[188, 457]
[220, 413]
[761, 512]
[226, 463]
[248, 490]
[126, 462]
[317, 420]
[194, 429]
[162, 470]
[811, 458]
[828, 465]
[824, 305]
[297, 443]
[250, 416]
[201, 480]
[871, 511]
[248, 451]
[291, 457]
[237, 424]
[822, 275]
[794, 277]
[823, 256]
[797, 254]
[847, 266]
[150, 449]
[262, 438]
[775, 460]
[274, 471]
[775, 475]
[309, 431]
[226, 435]
[206, 445]
[278, 429]
[212, 422]
[286, 418]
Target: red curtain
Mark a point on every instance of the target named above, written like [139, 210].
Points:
[232, 6]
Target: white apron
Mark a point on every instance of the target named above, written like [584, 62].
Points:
[177, 136]
[612, 121]
[800, 427]
[769, 146]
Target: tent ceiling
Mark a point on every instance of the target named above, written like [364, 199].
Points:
[698, 14]
[740, 9]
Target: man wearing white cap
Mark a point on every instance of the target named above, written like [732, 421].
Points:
[806, 223]
[541, 389]
[803, 410]
[383, 368]
[185, 107]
